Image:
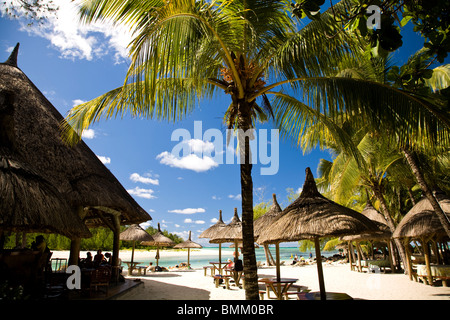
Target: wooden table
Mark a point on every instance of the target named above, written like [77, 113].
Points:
[438, 271]
[131, 266]
[279, 287]
[219, 268]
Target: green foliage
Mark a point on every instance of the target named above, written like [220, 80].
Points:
[307, 8]
[102, 238]
[260, 209]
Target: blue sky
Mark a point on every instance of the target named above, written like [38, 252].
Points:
[70, 63]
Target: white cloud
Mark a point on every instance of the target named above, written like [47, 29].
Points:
[216, 198]
[88, 134]
[197, 145]
[235, 197]
[190, 162]
[192, 221]
[187, 210]
[77, 102]
[142, 193]
[75, 40]
[104, 160]
[135, 177]
[145, 225]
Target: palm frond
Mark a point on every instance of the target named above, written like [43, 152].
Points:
[171, 99]
[440, 78]
[407, 117]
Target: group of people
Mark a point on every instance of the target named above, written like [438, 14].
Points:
[98, 260]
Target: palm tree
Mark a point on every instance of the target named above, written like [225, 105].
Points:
[184, 51]
[369, 77]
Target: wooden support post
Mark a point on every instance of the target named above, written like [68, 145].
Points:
[75, 244]
[74, 256]
[116, 247]
[391, 254]
[323, 295]
[426, 251]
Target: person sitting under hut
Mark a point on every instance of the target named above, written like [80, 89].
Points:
[98, 258]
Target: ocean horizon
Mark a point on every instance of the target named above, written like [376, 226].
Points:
[199, 261]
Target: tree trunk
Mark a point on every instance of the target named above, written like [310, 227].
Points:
[250, 269]
[269, 258]
[390, 222]
[426, 190]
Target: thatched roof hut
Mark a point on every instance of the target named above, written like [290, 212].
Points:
[212, 231]
[135, 233]
[29, 203]
[312, 216]
[232, 231]
[159, 240]
[384, 234]
[421, 221]
[188, 244]
[263, 221]
[33, 133]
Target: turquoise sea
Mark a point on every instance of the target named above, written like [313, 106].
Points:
[200, 260]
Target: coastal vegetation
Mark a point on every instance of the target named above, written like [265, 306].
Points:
[102, 238]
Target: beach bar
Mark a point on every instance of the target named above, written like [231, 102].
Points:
[48, 185]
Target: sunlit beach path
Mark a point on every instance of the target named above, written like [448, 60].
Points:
[193, 285]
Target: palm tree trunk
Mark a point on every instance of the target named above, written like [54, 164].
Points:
[390, 222]
[269, 258]
[248, 247]
[426, 190]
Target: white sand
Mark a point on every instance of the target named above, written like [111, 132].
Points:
[193, 285]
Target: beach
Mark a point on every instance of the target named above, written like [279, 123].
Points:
[193, 285]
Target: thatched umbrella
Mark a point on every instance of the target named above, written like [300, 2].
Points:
[267, 218]
[212, 231]
[135, 233]
[159, 240]
[313, 216]
[422, 223]
[189, 244]
[231, 233]
[264, 220]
